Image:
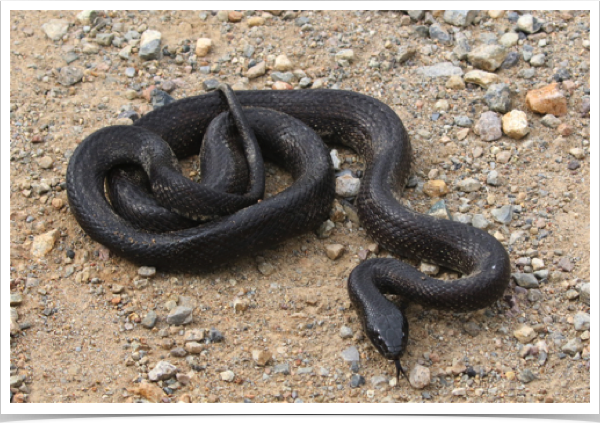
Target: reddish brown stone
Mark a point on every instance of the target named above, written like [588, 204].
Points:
[234, 16]
[548, 99]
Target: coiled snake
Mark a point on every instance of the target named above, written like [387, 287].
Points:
[238, 223]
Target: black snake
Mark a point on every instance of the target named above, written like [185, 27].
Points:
[237, 224]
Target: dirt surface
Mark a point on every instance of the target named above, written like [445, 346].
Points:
[79, 335]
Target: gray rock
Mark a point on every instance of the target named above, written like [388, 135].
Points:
[283, 368]
[304, 370]
[527, 52]
[462, 49]
[534, 295]
[472, 328]
[180, 316]
[350, 354]
[488, 57]
[492, 178]
[69, 75]
[214, 335]
[480, 222]
[573, 346]
[405, 53]
[162, 371]
[566, 265]
[584, 294]
[379, 380]
[469, 185]
[526, 376]
[346, 332]
[460, 17]
[511, 60]
[356, 381]
[210, 84]
[550, 121]
[70, 57]
[305, 82]
[463, 121]
[325, 229]
[538, 60]
[55, 29]
[436, 32]
[150, 50]
[440, 210]
[16, 299]
[150, 320]
[529, 24]
[130, 72]
[503, 214]
[582, 321]
[104, 39]
[440, 70]
[467, 219]
[282, 76]
[323, 372]
[257, 70]
[347, 54]
[248, 51]
[416, 15]
[497, 98]
[489, 126]
[419, 377]
[526, 280]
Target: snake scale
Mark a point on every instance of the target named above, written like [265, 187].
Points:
[230, 220]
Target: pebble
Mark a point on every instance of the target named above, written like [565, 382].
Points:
[210, 84]
[215, 335]
[525, 334]
[481, 78]
[459, 392]
[43, 244]
[261, 357]
[335, 159]
[429, 269]
[347, 186]
[526, 376]
[455, 82]
[257, 70]
[489, 126]
[283, 368]
[548, 99]
[538, 60]
[419, 377]
[480, 222]
[266, 268]
[15, 299]
[487, 57]
[180, 315]
[584, 294]
[105, 39]
[460, 17]
[472, 328]
[581, 321]
[130, 72]
[497, 98]
[87, 17]
[55, 29]
[280, 85]
[334, 251]
[436, 32]
[282, 63]
[573, 346]
[346, 332]
[509, 39]
[529, 24]
[440, 70]
[511, 60]
[356, 381]
[435, 188]
[194, 347]
[350, 354]
[150, 45]
[526, 280]
[227, 376]
[439, 210]
[550, 121]
[45, 162]
[150, 320]
[255, 21]
[203, 46]
[325, 230]
[146, 271]
[162, 371]
[234, 16]
[347, 54]
[469, 185]
[565, 264]
[503, 214]
[69, 75]
[515, 125]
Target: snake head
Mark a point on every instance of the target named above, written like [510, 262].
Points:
[388, 332]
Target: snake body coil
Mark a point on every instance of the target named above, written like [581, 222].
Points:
[360, 122]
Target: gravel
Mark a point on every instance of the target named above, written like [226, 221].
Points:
[444, 73]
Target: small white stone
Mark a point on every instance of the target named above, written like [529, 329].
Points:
[347, 186]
